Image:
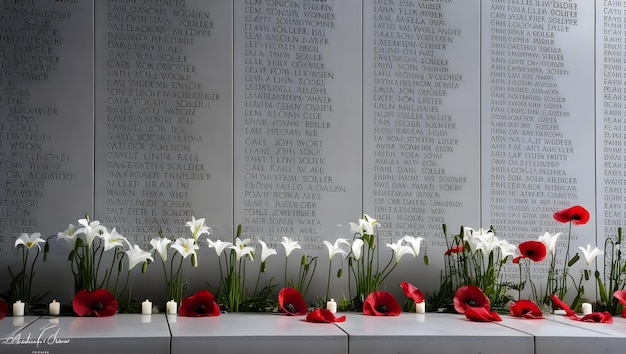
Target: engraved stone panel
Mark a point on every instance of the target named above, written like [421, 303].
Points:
[163, 118]
[46, 125]
[537, 114]
[421, 114]
[297, 121]
[610, 124]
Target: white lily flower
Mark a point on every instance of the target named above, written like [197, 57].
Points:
[507, 249]
[550, 241]
[266, 251]
[136, 255]
[365, 226]
[334, 249]
[590, 254]
[289, 245]
[370, 220]
[357, 249]
[160, 245]
[219, 246]
[30, 240]
[400, 250]
[241, 248]
[69, 235]
[415, 242]
[113, 239]
[185, 246]
[91, 229]
[197, 227]
[485, 241]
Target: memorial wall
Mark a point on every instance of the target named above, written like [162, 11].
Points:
[292, 118]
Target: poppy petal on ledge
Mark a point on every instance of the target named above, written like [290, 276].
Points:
[526, 309]
[470, 296]
[556, 302]
[320, 315]
[98, 303]
[200, 304]
[381, 303]
[290, 301]
[481, 314]
[4, 309]
[598, 317]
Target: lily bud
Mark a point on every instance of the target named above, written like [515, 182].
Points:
[239, 230]
[445, 229]
[194, 260]
[339, 272]
[586, 274]
[619, 235]
[426, 260]
[303, 260]
[573, 260]
[120, 266]
[144, 267]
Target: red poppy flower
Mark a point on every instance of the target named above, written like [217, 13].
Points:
[620, 295]
[412, 292]
[292, 302]
[320, 315]
[454, 249]
[598, 317]
[557, 303]
[98, 303]
[576, 214]
[481, 314]
[381, 303]
[526, 309]
[535, 250]
[202, 303]
[4, 309]
[470, 296]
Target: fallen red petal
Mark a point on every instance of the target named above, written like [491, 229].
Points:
[481, 314]
[321, 315]
[598, 317]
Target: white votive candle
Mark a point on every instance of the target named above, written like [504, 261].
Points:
[560, 312]
[54, 308]
[587, 308]
[146, 307]
[18, 308]
[171, 307]
[420, 307]
[331, 306]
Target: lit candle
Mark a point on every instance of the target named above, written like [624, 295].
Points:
[146, 307]
[420, 307]
[18, 308]
[54, 309]
[171, 307]
[587, 308]
[331, 306]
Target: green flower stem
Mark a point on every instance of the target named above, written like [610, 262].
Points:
[330, 266]
[563, 289]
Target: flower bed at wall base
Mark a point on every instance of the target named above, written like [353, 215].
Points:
[101, 261]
